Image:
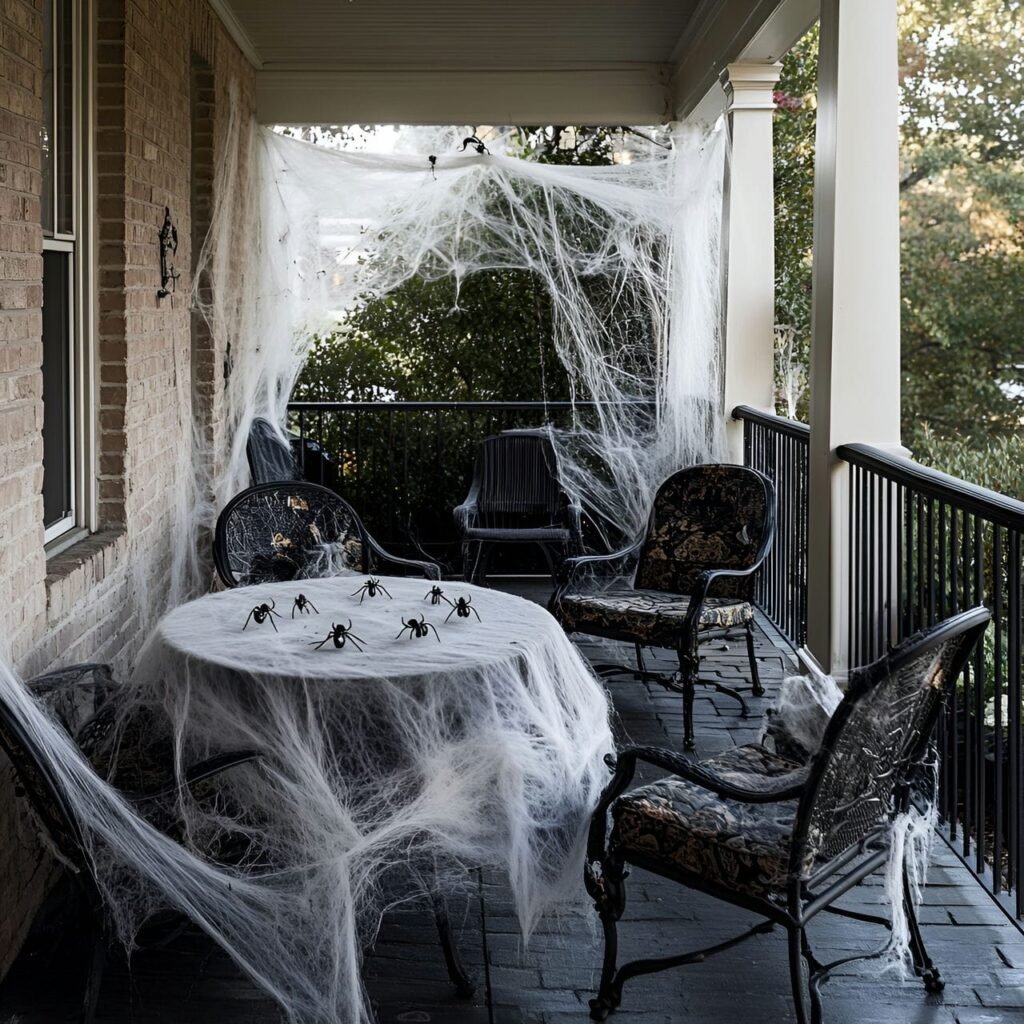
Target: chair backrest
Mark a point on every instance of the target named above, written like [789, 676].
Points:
[707, 517]
[878, 737]
[270, 457]
[284, 531]
[516, 475]
[40, 785]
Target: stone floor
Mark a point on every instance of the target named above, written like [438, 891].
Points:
[980, 952]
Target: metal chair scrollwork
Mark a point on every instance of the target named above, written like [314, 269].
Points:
[782, 839]
[710, 529]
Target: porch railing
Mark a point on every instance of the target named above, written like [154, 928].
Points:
[924, 545]
[406, 465]
[779, 448]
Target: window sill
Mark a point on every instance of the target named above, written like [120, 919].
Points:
[73, 570]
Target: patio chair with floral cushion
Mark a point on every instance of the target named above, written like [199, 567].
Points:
[779, 838]
[289, 530]
[710, 529]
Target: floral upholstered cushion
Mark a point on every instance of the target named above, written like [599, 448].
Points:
[646, 616]
[732, 844]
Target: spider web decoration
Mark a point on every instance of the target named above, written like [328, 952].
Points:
[628, 253]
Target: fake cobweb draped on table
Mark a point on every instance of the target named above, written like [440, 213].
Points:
[629, 255]
[386, 772]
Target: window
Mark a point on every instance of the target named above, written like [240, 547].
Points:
[65, 326]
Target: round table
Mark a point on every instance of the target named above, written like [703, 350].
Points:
[480, 742]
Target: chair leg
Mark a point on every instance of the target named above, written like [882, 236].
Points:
[923, 966]
[689, 666]
[798, 976]
[610, 906]
[756, 688]
[94, 979]
[464, 987]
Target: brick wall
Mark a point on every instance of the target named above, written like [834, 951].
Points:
[87, 603]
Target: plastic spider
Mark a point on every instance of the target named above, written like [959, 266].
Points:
[303, 604]
[340, 634]
[370, 588]
[417, 627]
[436, 595]
[260, 614]
[462, 607]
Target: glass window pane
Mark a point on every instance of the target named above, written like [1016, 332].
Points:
[46, 128]
[57, 367]
[65, 114]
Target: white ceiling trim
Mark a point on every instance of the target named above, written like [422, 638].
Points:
[611, 95]
[234, 28]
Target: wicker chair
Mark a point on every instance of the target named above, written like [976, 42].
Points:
[269, 454]
[782, 839]
[710, 529]
[515, 498]
[80, 698]
[297, 530]
[75, 690]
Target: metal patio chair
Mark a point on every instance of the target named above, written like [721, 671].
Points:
[269, 455]
[52, 806]
[710, 529]
[298, 530]
[79, 696]
[781, 839]
[515, 498]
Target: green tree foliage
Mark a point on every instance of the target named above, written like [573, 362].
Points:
[962, 202]
[962, 222]
[795, 117]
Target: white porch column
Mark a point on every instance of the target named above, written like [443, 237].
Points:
[749, 231]
[855, 348]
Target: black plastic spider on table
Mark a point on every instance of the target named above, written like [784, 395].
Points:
[417, 627]
[340, 635]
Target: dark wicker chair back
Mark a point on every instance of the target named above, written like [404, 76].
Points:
[285, 531]
[516, 481]
[47, 798]
[706, 517]
[270, 457]
[878, 737]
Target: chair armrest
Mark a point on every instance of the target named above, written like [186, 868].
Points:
[693, 772]
[573, 568]
[465, 514]
[58, 678]
[704, 583]
[198, 772]
[430, 570]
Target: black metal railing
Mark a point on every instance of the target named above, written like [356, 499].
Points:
[779, 448]
[923, 546]
[406, 465]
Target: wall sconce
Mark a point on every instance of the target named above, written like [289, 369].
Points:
[168, 247]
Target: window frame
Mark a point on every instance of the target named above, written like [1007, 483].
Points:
[79, 243]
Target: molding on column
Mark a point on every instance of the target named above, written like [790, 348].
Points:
[750, 85]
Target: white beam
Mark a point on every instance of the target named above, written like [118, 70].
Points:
[722, 32]
[749, 233]
[855, 347]
[612, 95]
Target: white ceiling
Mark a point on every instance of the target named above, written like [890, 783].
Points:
[450, 34]
[500, 61]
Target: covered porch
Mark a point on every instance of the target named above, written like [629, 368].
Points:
[870, 548]
[976, 944]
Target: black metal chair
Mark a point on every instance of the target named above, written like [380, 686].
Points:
[269, 455]
[50, 802]
[515, 498]
[710, 529]
[82, 698]
[778, 838]
[297, 530]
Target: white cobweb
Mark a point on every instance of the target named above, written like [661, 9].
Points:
[628, 253]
